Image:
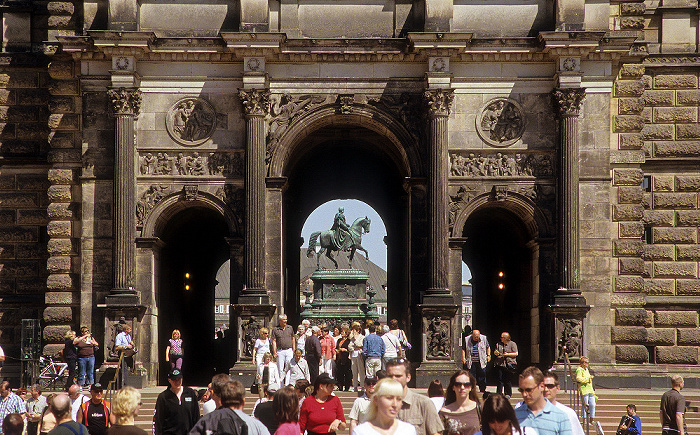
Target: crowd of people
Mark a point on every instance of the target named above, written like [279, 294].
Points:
[347, 353]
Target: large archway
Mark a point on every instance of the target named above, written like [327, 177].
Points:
[194, 241]
[340, 161]
[502, 256]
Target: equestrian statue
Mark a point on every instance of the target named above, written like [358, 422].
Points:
[341, 237]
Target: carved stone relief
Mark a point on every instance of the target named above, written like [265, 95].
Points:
[501, 122]
[284, 109]
[191, 164]
[249, 330]
[570, 333]
[438, 338]
[191, 121]
[459, 200]
[148, 200]
[234, 197]
[501, 165]
[404, 107]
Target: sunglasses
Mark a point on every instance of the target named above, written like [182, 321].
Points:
[527, 390]
[462, 384]
[550, 386]
[394, 361]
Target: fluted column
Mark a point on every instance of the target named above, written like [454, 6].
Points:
[125, 104]
[438, 107]
[256, 103]
[568, 102]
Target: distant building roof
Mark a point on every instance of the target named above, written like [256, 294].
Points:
[377, 275]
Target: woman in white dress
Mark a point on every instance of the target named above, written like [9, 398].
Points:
[385, 405]
[498, 418]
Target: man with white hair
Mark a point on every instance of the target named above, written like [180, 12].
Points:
[283, 344]
[392, 347]
[313, 353]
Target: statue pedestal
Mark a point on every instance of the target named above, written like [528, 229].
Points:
[249, 318]
[340, 295]
[440, 343]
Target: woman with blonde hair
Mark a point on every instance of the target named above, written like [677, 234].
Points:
[125, 408]
[383, 409]
[174, 352]
[262, 346]
[70, 355]
[357, 363]
[267, 374]
[584, 378]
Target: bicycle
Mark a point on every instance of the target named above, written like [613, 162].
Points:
[52, 372]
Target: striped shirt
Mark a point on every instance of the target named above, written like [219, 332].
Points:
[550, 421]
[11, 403]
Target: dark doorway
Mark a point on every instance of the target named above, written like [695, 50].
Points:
[500, 259]
[194, 244]
[347, 163]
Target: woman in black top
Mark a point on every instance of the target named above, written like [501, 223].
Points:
[342, 360]
[70, 354]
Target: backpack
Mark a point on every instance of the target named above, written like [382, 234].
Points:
[231, 425]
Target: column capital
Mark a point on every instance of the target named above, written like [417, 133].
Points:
[125, 101]
[256, 102]
[438, 101]
[568, 100]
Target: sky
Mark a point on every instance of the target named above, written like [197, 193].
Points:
[322, 219]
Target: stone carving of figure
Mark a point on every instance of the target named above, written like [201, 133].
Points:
[147, 164]
[501, 121]
[250, 330]
[181, 164]
[191, 121]
[195, 165]
[149, 200]
[164, 167]
[438, 345]
[571, 338]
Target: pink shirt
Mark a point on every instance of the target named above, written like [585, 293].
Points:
[328, 347]
[288, 429]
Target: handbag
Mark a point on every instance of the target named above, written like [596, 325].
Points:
[512, 367]
[254, 388]
[406, 345]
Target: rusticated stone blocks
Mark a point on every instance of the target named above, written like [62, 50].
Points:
[688, 98]
[658, 98]
[633, 317]
[675, 81]
[628, 212]
[58, 315]
[629, 195]
[631, 70]
[675, 200]
[633, 230]
[677, 355]
[674, 235]
[629, 88]
[677, 149]
[688, 252]
[688, 218]
[631, 354]
[627, 123]
[688, 183]
[659, 218]
[689, 337]
[656, 287]
[629, 284]
[627, 177]
[675, 269]
[688, 287]
[675, 114]
[631, 266]
[627, 248]
[641, 334]
[676, 319]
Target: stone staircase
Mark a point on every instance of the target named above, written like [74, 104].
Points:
[610, 408]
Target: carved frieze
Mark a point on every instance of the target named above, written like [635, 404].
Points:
[191, 164]
[501, 122]
[460, 200]
[284, 109]
[438, 338]
[463, 164]
[125, 101]
[148, 201]
[191, 121]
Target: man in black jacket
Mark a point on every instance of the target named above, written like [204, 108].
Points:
[313, 353]
[177, 409]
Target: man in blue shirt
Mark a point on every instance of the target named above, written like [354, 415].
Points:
[124, 344]
[630, 424]
[373, 349]
[536, 411]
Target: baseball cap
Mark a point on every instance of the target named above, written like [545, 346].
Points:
[96, 387]
[175, 374]
[273, 388]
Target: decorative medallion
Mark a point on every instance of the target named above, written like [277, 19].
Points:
[439, 64]
[191, 121]
[501, 122]
[570, 64]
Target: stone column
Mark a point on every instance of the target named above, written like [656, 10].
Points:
[256, 103]
[568, 103]
[569, 306]
[438, 103]
[125, 103]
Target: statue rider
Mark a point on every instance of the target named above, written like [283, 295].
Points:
[341, 231]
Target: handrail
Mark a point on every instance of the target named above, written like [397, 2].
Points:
[114, 379]
[579, 395]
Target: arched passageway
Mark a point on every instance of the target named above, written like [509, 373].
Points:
[194, 243]
[339, 162]
[502, 258]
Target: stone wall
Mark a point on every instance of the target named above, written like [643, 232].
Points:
[657, 215]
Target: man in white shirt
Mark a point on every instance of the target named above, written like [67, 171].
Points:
[77, 398]
[360, 408]
[551, 389]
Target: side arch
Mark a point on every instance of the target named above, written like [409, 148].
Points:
[174, 203]
[398, 143]
[527, 211]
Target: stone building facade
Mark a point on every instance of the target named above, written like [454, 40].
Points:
[553, 146]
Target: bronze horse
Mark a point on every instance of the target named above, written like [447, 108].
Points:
[326, 240]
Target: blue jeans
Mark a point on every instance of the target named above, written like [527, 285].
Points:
[590, 400]
[86, 367]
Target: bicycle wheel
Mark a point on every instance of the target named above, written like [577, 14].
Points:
[45, 383]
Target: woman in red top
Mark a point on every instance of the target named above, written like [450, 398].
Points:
[322, 412]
